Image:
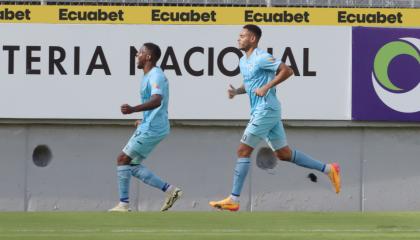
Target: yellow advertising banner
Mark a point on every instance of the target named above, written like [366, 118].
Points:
[386, 17]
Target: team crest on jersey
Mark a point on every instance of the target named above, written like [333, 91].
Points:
[271, 59]
[154, 85]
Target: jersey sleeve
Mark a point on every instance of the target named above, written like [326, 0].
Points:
[268, 62]
[156, 84]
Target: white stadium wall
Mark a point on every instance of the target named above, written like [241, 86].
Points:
[88, 71]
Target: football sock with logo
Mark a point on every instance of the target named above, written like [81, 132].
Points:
[306, 161]
[124, 174]
[145, 175]
[241, 170]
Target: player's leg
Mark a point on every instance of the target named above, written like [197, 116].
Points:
[243, 163]
[148, 177]
[257, 128]
[242, 166]
[277, 141]
[123, 174]
[144, 146]
[173, 193]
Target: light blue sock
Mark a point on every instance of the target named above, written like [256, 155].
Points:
[303, 160]
[241, 170]
[124, 174]
[145, 175]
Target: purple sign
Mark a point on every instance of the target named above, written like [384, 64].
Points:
[386, 74]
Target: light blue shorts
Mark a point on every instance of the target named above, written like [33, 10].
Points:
[140, 145]
[265, 125]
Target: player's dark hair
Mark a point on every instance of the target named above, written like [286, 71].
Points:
[254, 29]
[154, 51]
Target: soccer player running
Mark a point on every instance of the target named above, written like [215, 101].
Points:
[152, 130]
[262, 73]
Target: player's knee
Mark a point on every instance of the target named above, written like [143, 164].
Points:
[244, 152]
[284, 154]
[123, 159]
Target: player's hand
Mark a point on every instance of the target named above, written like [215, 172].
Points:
[231, 91]
[126, 109]
[261, 91]
[137, 123]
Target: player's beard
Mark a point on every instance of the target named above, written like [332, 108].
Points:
[244, 47]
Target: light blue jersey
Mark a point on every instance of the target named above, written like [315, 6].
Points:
[155, 121]
[258, 69]
[155, 124]
[265, 123]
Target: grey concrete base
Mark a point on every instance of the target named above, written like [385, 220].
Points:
[379, 165]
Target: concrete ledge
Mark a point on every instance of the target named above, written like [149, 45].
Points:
[214, 123]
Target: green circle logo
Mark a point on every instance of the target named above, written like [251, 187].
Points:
[387, 91]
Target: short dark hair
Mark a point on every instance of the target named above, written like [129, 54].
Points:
[154, 50]
[254, 29]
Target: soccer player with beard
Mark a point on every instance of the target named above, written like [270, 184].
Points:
[262, 73]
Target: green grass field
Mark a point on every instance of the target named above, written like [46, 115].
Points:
[209, 225]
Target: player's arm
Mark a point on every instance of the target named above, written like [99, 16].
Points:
[232, 92]
[137, 123]
[283, 73]
[154, 102]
